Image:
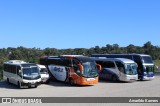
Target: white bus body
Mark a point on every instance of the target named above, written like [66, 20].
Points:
[44, 74]
[21, 73]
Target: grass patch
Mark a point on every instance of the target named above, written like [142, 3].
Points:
[157, 62]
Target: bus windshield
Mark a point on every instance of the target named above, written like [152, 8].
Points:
[149, 69]
[31, 73]
[147, 59]
[43, 71]
[89, 69]
[131, 69]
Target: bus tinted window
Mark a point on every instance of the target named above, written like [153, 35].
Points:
[126, 56]
[17, 69]
[106, 64]
[13, 69]
[28, 65]
[137, 58]
[66, 63]
[100, 62]
[109, 64]
[120, 67]
[147, 59]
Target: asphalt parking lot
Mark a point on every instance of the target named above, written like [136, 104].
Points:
[103, 89]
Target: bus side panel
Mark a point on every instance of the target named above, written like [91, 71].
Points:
[12, 77]
[59, 72]
[4, 75]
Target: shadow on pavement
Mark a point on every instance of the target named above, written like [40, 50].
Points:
[157, 73]
[5, 84]
[64, 84]
[118, 82]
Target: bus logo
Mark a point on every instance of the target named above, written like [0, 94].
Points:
[6, 100]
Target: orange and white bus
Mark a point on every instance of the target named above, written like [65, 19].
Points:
[74, 69]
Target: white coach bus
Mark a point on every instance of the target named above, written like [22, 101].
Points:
[21, 73]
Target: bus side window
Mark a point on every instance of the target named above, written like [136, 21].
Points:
[18, 70]
[109, 64]
[14, 69]
[5, 67]
[137, 58]
[76, 68]
[120, 67]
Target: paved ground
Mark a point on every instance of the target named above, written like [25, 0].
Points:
[103, 89]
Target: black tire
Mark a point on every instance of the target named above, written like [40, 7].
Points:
[19, 85]
[47, 81]
[8, 81]
[36, 85]
[114, 78]
[71, 81]
[141, 79]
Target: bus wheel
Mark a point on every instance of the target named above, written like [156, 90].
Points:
[114, 79]
[71, 81]
[35, 86]
[141, 79]
[47, 81]
[8, 81]
[19, 85]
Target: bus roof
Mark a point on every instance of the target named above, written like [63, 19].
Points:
[78, 57]
[84, 59]
[72, 55]
[19, 62]
[122, 54]
[124, 60]
[16, 61]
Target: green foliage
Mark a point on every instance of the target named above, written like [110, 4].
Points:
[157, 62]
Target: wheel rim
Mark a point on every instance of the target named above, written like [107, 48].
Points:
[19, 85]
[71, 82]
[114, 79]
[8, 80]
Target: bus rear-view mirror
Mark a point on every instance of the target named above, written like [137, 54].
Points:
[99, 66]
[80, 67]
[156, 67]
[19, 72]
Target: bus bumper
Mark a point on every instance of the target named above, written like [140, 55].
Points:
[148, 78]
[23, 84]
[88, 81]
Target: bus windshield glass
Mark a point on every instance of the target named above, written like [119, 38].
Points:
[149, 69]
[90, 69]
[131, 69]
[43, 71]
[147, 59]
[31, 73]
